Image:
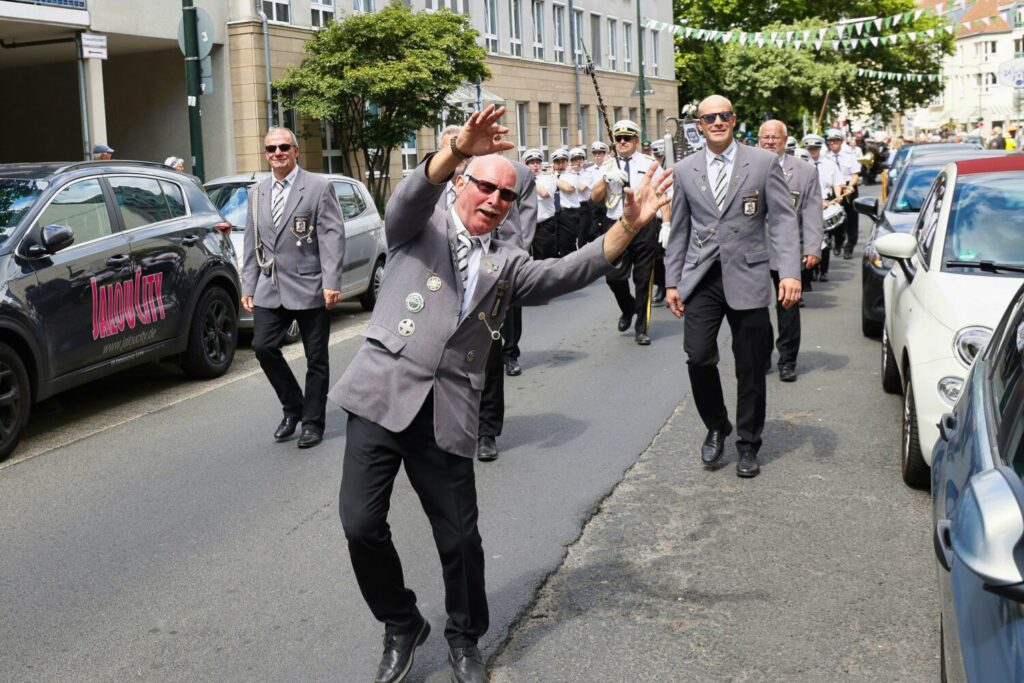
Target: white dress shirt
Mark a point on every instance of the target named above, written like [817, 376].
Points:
[481, 245]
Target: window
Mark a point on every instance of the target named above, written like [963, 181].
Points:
[645, 60]
[613, 26]
[515, 28]
[330, 143]
[600, 126]
[410, 159]
[928, 220]
[632, 115]
[362, 6]
[453, 5]
[1018, 47]
[576, 36]
[175, 199]
[558, 18]
[985, 81]
[280, 115]
[1018, 17]
[322, 13]
[522, 112]
[140, 200]
[350, 198]
[595, 40]
[538, 29]
[80, 206]
[542, 119]
[985, 50]
[616, 115]
[491, 25]
[654, 52]
[277, 10]
[627, 47]
[659, 125]
[563, 124]
[585, 124]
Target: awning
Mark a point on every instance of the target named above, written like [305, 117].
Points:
[471, 96]
[926, 119]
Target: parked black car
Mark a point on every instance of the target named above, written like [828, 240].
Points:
[105, 265]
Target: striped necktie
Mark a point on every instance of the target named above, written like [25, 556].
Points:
[277, 206]
[720, 181]
[462, 250]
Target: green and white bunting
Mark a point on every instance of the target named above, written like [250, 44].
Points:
[892, 76]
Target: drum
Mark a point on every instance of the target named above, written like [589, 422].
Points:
[833, 217]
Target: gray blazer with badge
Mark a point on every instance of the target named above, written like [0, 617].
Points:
[805, 192]
[758, 212]
[416, 343]
[308, 248]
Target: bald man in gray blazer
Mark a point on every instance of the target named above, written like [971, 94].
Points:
[730, 203]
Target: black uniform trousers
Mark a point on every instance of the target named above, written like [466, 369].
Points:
[751, 342]
[851, 224]
[557, 235]
[269, 328]
[446, 487]
[638, 261]
[788, 341]
[512, 332]
[492, 398]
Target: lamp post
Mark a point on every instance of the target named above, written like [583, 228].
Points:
[641, 86]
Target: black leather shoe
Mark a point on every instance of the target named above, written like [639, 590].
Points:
[847, 255]
[787, 372]
[467, 665]
[823, 277]
[642, 339]
[512, 368]
[309, 438]
[286, 428]
[624, 322]
[658, 295]
[714, 445]
[836, 250]
[398, 654]
[486, 449]
[747, 466]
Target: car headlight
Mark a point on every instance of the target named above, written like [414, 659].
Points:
[969, 342]
[950, 388]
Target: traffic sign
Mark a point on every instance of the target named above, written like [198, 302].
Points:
[204, 33]
[648, 90]
[94, 46]
[1011, 73]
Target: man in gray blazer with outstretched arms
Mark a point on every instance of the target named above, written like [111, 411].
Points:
[413, 389]
[291, 271]
[730, 202]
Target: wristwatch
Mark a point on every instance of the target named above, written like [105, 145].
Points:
[455, 148]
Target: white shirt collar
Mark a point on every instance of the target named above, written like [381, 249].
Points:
[729, 153]
[290, 178]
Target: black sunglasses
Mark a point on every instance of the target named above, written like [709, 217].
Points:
[726, 116]
[490, 188]
[624, 138]
[273, 148]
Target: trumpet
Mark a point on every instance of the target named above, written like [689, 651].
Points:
[867, 160]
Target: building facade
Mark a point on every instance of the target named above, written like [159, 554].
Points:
[135, 99]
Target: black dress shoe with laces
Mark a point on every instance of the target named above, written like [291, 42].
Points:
[823, 277]
[512, 368]
[486, 449]
[642, 339]
[398, 654]
[624, 322]
[286, 428]
[309, 438]
[787, 372]
[747, 466]
[714, 445]
[467, 665]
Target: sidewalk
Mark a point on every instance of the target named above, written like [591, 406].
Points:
[820, 569]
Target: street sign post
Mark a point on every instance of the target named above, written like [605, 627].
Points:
[1011, 73]
[94, 46]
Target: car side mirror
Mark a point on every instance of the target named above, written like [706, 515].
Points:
[987, 531]
[49, 239]
[897, 245]
[867, 206]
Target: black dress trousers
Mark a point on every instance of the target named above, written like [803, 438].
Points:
[512, 332]
[446, 487]
[638, 261]
[269, 328]
[492, 398]
[751, 342]
[545, 240]
[788, 341]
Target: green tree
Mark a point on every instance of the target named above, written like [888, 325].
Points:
[788, 82]
[381, 76]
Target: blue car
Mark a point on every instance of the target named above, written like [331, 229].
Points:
[978, 512]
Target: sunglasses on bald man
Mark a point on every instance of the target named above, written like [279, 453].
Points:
[708, 119]
[490, 188]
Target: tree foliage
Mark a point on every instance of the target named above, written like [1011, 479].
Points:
[787, 83]
[382, 76]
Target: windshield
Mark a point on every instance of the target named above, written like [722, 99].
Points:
[986, 222]
[231, 201]
[913, 188]
[898, 161]
[16, 198]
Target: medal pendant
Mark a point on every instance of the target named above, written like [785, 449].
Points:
[298, 243]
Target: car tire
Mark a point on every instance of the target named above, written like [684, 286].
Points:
[292, 334]
[916, 473]
[870, 328]
[368, 299]
[15, 399]
[890, 371]
[212, 337]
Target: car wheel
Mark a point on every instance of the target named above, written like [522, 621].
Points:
[15, 399]
[293, 334]
[212, 337]
[870, 328]
[915, 470]
[369, 298]
[890, 371]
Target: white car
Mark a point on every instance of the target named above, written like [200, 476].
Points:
[365, 243]
[958, 271]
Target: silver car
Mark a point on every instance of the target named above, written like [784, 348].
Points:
[365, 244]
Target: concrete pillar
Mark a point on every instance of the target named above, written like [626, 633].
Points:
[95, 103]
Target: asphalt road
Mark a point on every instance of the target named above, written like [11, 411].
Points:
[152, 530]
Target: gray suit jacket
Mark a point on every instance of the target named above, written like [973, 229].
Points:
[303, 268]
[408, 354]
[758, 211]
[805, 191]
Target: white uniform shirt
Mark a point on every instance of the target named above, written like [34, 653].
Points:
[587, 178]
[545, 205]
[828, 175]
[845, 161]
[569, 200]
[638, 165]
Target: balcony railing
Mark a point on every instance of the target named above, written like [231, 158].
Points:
[64, 4]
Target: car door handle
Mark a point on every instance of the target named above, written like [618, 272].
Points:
[189, 240]
[118, 260]
[943, 544]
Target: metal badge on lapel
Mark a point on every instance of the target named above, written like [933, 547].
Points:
[499, 295]
[492, 267]
[434, 283]
[750, 205]
[301, 228]
[795, 194]
[406, 327]
[414, 302]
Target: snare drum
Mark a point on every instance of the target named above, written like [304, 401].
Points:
[833, 217]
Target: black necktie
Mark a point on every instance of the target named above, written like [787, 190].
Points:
[558, 196]
[626, 169]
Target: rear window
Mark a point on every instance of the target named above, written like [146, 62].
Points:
[142, 201]
[232, 202]
[913, 189]
[16, 198]
[986, 222]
